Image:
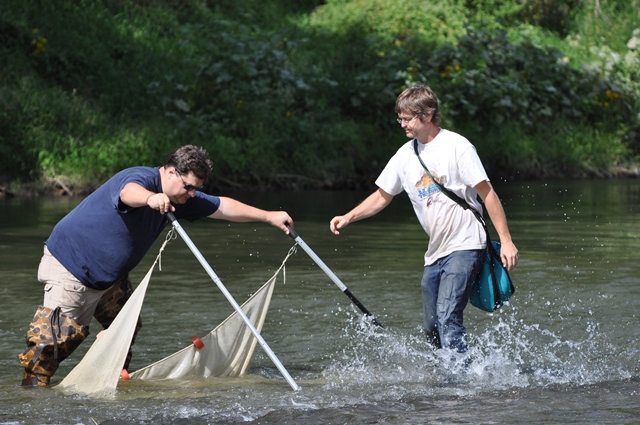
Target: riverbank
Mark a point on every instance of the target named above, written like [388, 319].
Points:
[61, 186]
[283, 182]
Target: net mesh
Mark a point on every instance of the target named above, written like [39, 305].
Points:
[227, 350]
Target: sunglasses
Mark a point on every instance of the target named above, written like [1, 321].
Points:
[188, 187]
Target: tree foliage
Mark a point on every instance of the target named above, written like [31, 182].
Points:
[304, 94]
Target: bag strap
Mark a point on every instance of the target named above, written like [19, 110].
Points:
[457, 199]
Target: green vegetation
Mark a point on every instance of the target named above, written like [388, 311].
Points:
[286, 95]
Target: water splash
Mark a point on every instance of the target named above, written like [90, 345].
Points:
[508, 353]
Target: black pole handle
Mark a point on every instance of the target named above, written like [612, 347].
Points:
[292, 232]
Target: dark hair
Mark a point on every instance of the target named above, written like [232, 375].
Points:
[190, 158]
[420, 100]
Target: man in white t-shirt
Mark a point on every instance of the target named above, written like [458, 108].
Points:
[456, 238]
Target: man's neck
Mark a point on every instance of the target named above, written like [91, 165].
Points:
[431, 133]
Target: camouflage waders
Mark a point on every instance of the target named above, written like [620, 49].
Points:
[53, 336]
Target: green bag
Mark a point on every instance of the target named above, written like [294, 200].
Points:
[493, 285]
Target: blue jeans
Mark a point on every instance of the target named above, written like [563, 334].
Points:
[445, 293]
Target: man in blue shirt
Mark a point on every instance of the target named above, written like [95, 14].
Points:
[88, 256]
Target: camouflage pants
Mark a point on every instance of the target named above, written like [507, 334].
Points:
[51, 338]
[54, 335]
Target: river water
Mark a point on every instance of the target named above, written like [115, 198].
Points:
[565, 350]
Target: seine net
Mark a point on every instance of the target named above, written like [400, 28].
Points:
[225, 351]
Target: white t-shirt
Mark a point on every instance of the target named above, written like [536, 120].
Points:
[454, 163]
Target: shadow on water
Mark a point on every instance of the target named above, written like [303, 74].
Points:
[565, 350]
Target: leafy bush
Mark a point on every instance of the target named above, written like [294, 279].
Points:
[554, 15]
[429, 22]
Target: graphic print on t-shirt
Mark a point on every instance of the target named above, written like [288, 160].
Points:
[426, 186]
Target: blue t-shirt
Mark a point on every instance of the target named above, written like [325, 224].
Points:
[101, 240]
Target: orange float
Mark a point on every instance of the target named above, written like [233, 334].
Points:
[197, 342]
